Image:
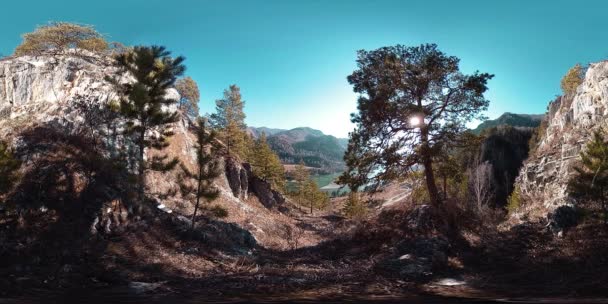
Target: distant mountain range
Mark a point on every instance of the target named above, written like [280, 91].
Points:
[511, 119]
[316, 149]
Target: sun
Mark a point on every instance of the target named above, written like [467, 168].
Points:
[414, 121]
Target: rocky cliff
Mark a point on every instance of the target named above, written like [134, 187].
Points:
[570, 122]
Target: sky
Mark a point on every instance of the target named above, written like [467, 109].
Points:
[291, 57]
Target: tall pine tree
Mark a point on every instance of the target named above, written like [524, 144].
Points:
[590, 183]
[229, 119]
[143, 103]
[207, 170]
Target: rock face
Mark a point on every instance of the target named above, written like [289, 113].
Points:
[48, 92]
[570, 123]
[505, 148]
[237, 178]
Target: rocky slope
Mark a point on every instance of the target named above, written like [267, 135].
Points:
[53, 98]
[570, 122]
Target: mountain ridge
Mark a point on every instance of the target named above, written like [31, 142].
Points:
[312, 146]
[511, 119]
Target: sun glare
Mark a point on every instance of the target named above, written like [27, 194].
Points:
[415, 121]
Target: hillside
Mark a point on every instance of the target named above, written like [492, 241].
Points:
[511, 119]
[316, 149]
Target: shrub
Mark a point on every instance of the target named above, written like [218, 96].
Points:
[218, 211]
[61, 36]
[514, 200]
[572, 79]
[8, 168]
[355, 207]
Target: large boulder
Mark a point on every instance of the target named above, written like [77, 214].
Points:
[417, 259]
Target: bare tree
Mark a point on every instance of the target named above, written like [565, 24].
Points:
[480, 181]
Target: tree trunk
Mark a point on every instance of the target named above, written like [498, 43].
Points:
[427, 162]
[141, 169]
[198, 199]
[445, 187]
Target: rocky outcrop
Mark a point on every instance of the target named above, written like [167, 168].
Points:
[269, 197]
[237, 178]
[570, 123]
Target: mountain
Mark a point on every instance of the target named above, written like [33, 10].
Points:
[309, 145]
[511, 119]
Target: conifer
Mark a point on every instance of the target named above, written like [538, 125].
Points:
[207, 170]
[143, 103]
[590, 182]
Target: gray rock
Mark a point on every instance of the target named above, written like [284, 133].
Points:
[570, 123]
[233, 174]
[421, 218]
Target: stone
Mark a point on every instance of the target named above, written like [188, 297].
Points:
[420, 218]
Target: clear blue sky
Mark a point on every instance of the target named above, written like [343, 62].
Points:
[291, 57]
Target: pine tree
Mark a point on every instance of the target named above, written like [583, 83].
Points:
[229, 119]
[300, 177]
[590, 182]
[266, 164]
[144, 105]
[354, 207]
[8, 168]
[207, 170]
[412, 100]
[315, 198]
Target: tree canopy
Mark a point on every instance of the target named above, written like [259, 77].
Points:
[58, 36]
[572, 79]
[266, 164]
[229, 119]
[189, 95]
[413, 101]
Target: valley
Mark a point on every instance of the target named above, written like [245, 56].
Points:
[125, 180]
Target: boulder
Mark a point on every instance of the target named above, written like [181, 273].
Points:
[420, 218]
[562, 218]
[233, 175]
